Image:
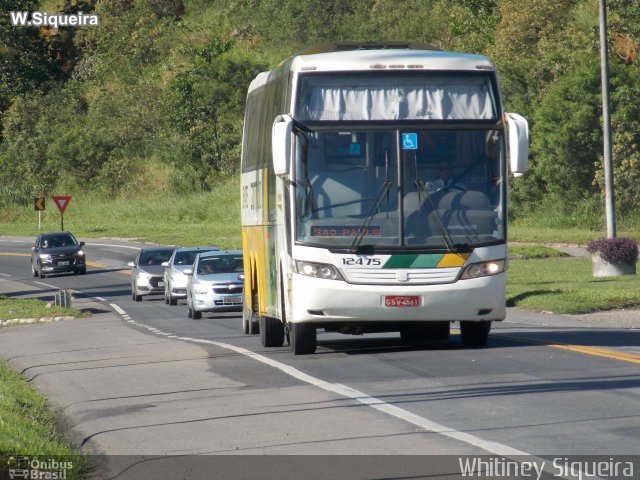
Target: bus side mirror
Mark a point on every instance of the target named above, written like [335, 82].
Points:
[281, 144]
[518, 143]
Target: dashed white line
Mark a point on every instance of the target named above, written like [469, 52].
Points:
[118, 309]
[5, 274]
[46, 285]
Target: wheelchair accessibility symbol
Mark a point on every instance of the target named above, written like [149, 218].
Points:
[409, 141]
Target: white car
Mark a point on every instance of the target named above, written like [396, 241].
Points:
[216, 283]
[175, 281]
[147, 271]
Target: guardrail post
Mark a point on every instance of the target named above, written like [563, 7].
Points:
[62, 298]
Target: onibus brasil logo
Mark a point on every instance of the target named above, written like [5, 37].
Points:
[21, 467]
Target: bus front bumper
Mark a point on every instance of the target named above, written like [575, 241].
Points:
[326, 301]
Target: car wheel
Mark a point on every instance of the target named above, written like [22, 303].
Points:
[34, 272]
[40, 272]
[83, 270]
[189, 312]
[173, 301]
[196, 315]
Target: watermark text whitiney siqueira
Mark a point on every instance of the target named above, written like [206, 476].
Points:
[54, 20]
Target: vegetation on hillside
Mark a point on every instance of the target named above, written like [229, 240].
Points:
[151, 101]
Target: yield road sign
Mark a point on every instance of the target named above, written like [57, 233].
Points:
[62, 201]
[38, 203]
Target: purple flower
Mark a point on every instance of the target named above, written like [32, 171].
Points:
[616, 251]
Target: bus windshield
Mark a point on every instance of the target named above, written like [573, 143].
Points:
[392, 188]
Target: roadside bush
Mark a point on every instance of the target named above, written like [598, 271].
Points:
[616, 251]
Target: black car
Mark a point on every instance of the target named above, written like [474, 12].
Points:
[57, 252]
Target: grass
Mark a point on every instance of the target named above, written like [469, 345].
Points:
[32, 308]
[27, 425]
[204, 218]
[566, 285]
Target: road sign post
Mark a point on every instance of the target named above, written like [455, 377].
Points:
[61, 202]
[38, 204]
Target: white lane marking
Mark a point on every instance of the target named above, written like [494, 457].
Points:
[101, 299]
[118, 309]
[5, 274]
[345, 391]
[46, 285]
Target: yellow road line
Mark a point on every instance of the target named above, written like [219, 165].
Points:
[601, 352]
[593, 351]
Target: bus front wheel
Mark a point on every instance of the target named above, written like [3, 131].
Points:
[271, 332]
[303, 338]
[475, 334]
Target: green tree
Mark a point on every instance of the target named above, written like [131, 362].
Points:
[207, 106]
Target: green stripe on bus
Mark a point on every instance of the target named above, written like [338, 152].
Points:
[429, 260]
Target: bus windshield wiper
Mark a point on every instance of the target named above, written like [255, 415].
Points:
[384, 192]
[365, 224]
[423, 195]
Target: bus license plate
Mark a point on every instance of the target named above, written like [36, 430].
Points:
[231, 300]
[401, 301]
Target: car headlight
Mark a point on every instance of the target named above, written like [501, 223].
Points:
[200, 289]
[318, 270]
[144, 276]
[484, 269]
[45, 257]
[81, 253]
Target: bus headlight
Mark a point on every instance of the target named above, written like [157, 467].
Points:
[484, 269]
[318, 270]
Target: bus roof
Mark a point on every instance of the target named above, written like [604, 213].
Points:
[390, 59]
[387, 59]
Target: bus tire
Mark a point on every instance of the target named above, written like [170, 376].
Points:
[271, 332]
[303, 338]
[475, 334]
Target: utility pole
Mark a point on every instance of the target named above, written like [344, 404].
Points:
[606, 123]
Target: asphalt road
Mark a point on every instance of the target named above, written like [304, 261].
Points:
[143, 379]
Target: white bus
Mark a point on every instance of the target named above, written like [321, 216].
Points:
[374, 185]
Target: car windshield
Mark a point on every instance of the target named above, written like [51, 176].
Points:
[187, 257]
[154, 257]
[56, 241]
[221, 264]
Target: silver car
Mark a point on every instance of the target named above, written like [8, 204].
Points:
[175, 281]
[215, 283]
[147, 272]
